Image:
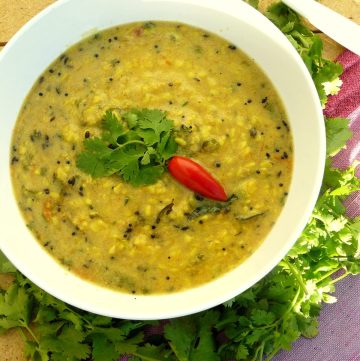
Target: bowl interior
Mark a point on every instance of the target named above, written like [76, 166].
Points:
[49, 34]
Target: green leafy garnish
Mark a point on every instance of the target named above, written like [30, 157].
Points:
[134, 146]
[5, 265]
[191, 338]
[337, 134]
[253, 3]
[308, 45]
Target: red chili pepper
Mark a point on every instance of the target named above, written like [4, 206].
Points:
[193, 176]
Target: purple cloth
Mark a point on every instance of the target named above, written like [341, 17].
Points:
[339, 323]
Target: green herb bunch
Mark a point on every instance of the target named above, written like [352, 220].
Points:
[136, 148]
[325, 73]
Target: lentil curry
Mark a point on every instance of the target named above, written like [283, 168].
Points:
[155, 238]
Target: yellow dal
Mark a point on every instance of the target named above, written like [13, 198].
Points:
[202, 82]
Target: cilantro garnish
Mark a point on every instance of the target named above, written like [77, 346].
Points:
[134, 145]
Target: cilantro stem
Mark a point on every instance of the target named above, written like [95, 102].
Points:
[297, 275]
[172, 348]
[22, 334]
[28, 329]
[289, 309]
[328, 274]
[168, 353]
[259, 355]
[272, 354]
[292, 304]
[131, 142]
[144, 358]
[339, 278]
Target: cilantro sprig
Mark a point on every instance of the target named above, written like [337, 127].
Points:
[134, 145]
[324, 72]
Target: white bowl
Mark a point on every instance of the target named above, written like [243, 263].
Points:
[46, 36]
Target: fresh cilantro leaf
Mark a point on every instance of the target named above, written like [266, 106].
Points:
[113, 129]
[131, 118]
[181, 334]
[95, 159]
[253, 3]
[205, 347]
[146, 159]
[5, 265]
[308, 326]
[155, 120]
[229, 303]
[149, 136]
[73, 318]
[33, 352]
[138, 153]
[192, 339]
[148, 175]
[15, 307]
[262, 318]
[126, 160]
[67, 345]
[242, 352]
[337, 134]
[164, 141]
[131, 346]
[91, 164]
[98, 320]
[308, 45]
[170, 147]
[255, 336]
[127, 327]
[45, 314]
[150, 352]
[97, 147]
[103, 349]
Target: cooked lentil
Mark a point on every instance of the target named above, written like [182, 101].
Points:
[159, 238]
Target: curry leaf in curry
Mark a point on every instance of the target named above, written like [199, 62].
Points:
[211, 207]
[134, 145]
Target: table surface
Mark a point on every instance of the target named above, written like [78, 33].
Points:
[14, 14]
